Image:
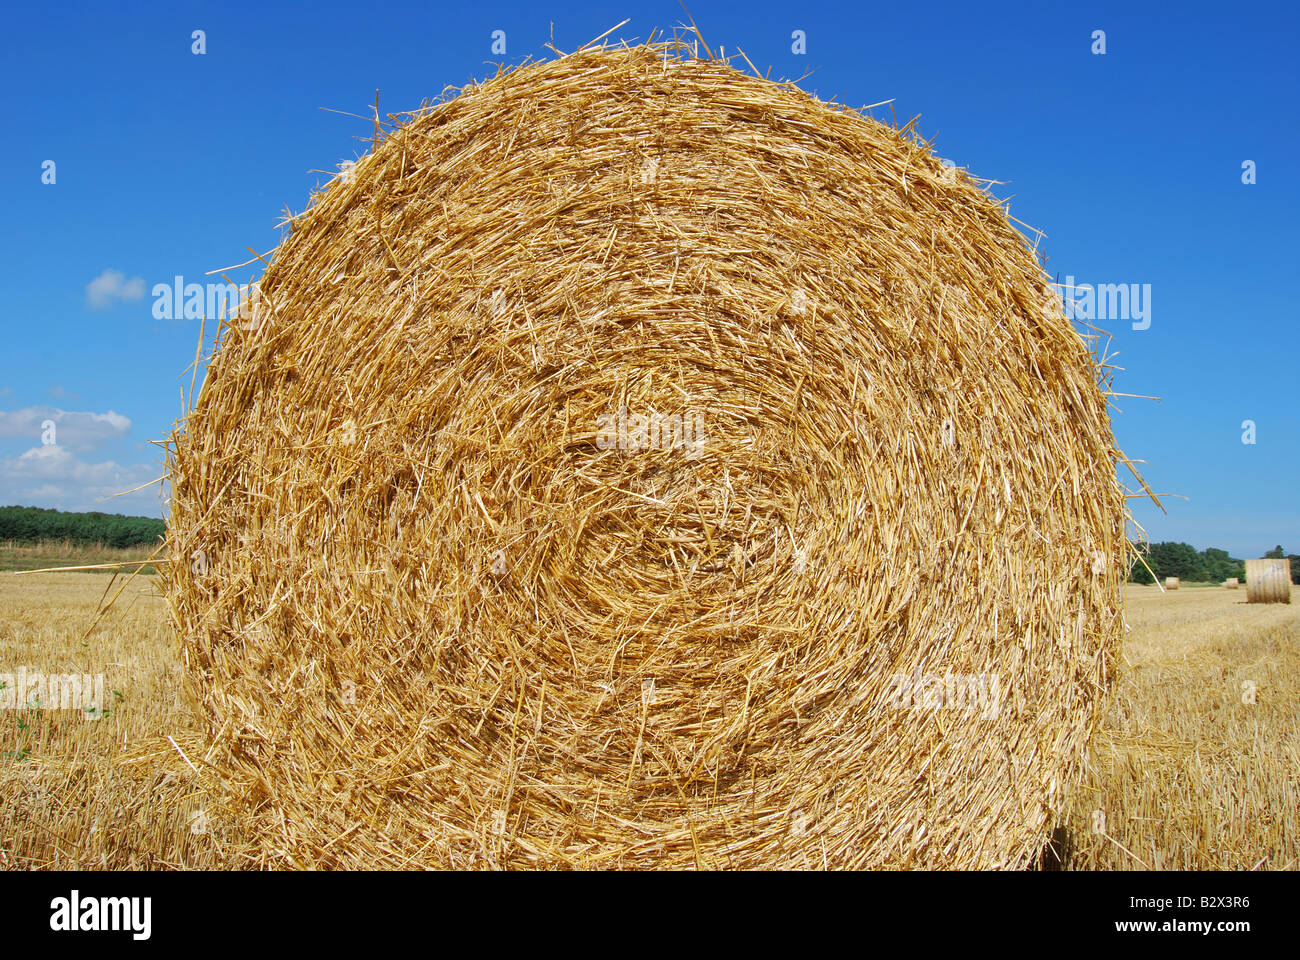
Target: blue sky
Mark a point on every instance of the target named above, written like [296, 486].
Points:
[170, 163]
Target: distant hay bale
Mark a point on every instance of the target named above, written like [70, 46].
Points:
[1268, 581]
[639, 463]
[1171, 583]
[1231, 583]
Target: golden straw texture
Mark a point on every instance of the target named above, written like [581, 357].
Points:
[1268, 581]
[638, 463]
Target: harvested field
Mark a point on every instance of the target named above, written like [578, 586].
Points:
[1186, 774]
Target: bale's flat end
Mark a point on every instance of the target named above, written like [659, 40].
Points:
[638, 463]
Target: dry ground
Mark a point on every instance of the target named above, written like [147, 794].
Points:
[113, 791]
[1185, 774]
[63, 553]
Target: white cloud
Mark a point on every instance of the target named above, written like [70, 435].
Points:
[77, 430]
[112, 286]
[53, 476]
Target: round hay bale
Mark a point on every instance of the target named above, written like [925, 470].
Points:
[1231, 583]
[1171, 583]
[1268, 580]
[634, 462]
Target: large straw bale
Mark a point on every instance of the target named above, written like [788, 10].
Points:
[634, 462]
[1268, 580]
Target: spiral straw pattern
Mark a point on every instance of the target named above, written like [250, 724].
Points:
[633, 462]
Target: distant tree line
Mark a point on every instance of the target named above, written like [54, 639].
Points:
[1182, 560]
[33, 524]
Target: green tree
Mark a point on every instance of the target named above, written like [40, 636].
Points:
[1219, 566]
[1179, 560]
[31, 524]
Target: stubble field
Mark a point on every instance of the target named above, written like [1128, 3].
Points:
[1196, 767]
